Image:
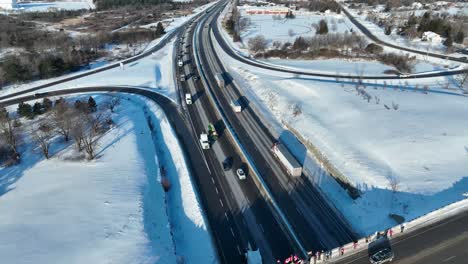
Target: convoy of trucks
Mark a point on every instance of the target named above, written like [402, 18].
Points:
[287, 159]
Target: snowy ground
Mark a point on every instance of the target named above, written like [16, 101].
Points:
[423, 145]
[112, 210]
[301, 26]
[154, 71]
[55, 5]
[394, 38]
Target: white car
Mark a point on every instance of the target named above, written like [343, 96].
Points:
[241, 174]
[188, 98]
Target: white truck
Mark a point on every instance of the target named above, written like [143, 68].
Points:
[188, 98]
[205, 144]
[287, 159]
[180, 63]
[236, 106]
[220, 80]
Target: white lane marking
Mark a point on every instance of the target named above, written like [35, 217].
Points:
[225, 215]
[238, 250]
[449, 258]
[261, 227]
[232, 232]
[212, 180]
[216, 189]
[299, 211]
[222, 205]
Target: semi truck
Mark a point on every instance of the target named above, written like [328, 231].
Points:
[287, 159]
[205, 144]
[220, 80]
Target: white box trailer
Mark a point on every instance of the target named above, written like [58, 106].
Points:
[287, 159]
[220, 80]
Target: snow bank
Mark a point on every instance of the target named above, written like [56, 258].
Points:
[188, 223]
[109, 210]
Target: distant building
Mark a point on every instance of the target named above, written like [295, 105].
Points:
[431, 37]
[7, 4]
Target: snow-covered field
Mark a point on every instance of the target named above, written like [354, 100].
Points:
[422, 146]
[301, 25]
[55, 5]
[111, 210]
[279, 29]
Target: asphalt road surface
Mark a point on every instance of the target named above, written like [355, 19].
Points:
[445, 242]
[316, 224]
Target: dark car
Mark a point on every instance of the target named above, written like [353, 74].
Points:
[227, 163]
[382, 256]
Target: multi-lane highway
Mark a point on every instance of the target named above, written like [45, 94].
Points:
[240, 213]
[256, 224]
[314, 221]
[444, 242]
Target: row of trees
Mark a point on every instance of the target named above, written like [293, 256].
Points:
[81, 122]
[332, 45]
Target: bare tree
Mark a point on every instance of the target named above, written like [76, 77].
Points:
[257, 43]
[462, 80]
[77, 131]
[394, 183]
[42, 135]
[296, 109]
[63, 116]
[9, 130]
[114, 102]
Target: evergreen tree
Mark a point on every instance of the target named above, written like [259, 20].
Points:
[37, 109]
[160, 29]
[448, 41]
[323, 27]
[92, 104]
[25, 110]
[459, 37]
[46, 104]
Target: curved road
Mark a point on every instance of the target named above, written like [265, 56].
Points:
[232, 53]
[201, 172]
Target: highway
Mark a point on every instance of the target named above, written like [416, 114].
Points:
[239, 216]
[255, 223]
[250, 61]
[444, 242]
[314, 221]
